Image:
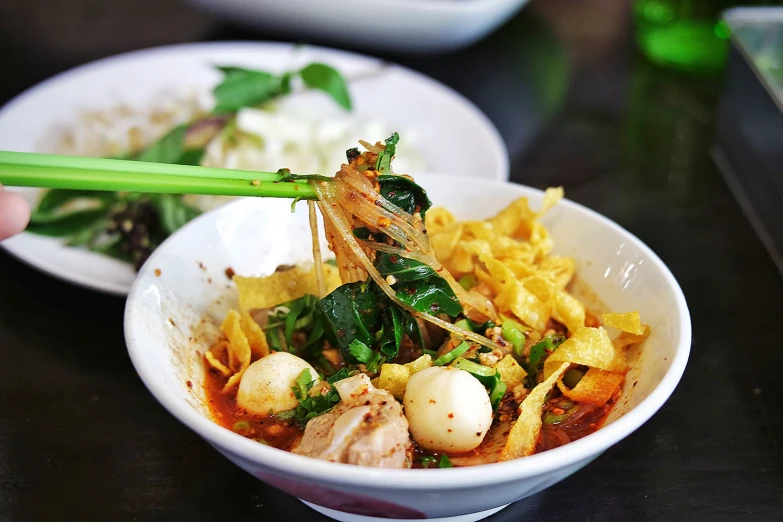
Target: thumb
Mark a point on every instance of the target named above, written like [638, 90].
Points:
[14, 213]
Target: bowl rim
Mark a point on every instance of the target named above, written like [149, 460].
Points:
[304, 467]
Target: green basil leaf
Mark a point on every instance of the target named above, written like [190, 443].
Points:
[393, 329]
[383, 163]
[362, 233]
[344, 373]
[315, 336]
[290, 321]
[174, 212]
[245, 88]
[167, 149]
[431, 296]
[350, 312]
[445, 462]
[404, 270]
[412, 329]
[67, 224]
[54, 199]
[329, 80]
[191, 157]
[404, 193]
[87, 235]
[109, 245]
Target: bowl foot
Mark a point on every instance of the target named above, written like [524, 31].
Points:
[349, 517]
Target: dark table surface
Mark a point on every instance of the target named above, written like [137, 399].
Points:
[82, 439]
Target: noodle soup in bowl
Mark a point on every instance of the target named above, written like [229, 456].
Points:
[183, 292]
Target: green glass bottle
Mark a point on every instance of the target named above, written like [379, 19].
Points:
[683, 34]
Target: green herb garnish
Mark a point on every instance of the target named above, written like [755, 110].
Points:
[467, 281]
[485, 374]
[449, 357]
[383, 163]
[327, 79]
[497, 392]
[427, 460]
[309, 407]
[404, 193]
[443, 462]
[514, 333]
[538, 354]
[364, 354]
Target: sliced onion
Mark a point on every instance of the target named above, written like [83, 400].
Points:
[375, 149]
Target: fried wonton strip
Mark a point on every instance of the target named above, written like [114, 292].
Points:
[552, 197]
[280, 287]
[595, 387]
[515, 298]
[560, 270]
[589, 347]
[511, 373]
[233, 381]
[628, 339]
[524, 434]
[212, 358]
[255, 336]
[627, 322]
[239, 347]
[439, 219]
[515, 220]
[569, 310]
[394, 377]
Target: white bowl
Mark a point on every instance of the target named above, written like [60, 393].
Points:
[416, 26]
[171, 319]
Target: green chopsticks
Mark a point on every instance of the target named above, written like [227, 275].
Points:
[27, 169]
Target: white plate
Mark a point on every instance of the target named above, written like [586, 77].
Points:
[453, 136]
[415, 26]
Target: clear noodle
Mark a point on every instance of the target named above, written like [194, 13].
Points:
[319, 267]
[336, 220]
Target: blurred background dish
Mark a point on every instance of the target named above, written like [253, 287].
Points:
[99, 109]
[414, 26]
[749, 123]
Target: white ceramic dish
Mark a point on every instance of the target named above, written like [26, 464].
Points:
[415, 26]
[165, 335]
[452, 134]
